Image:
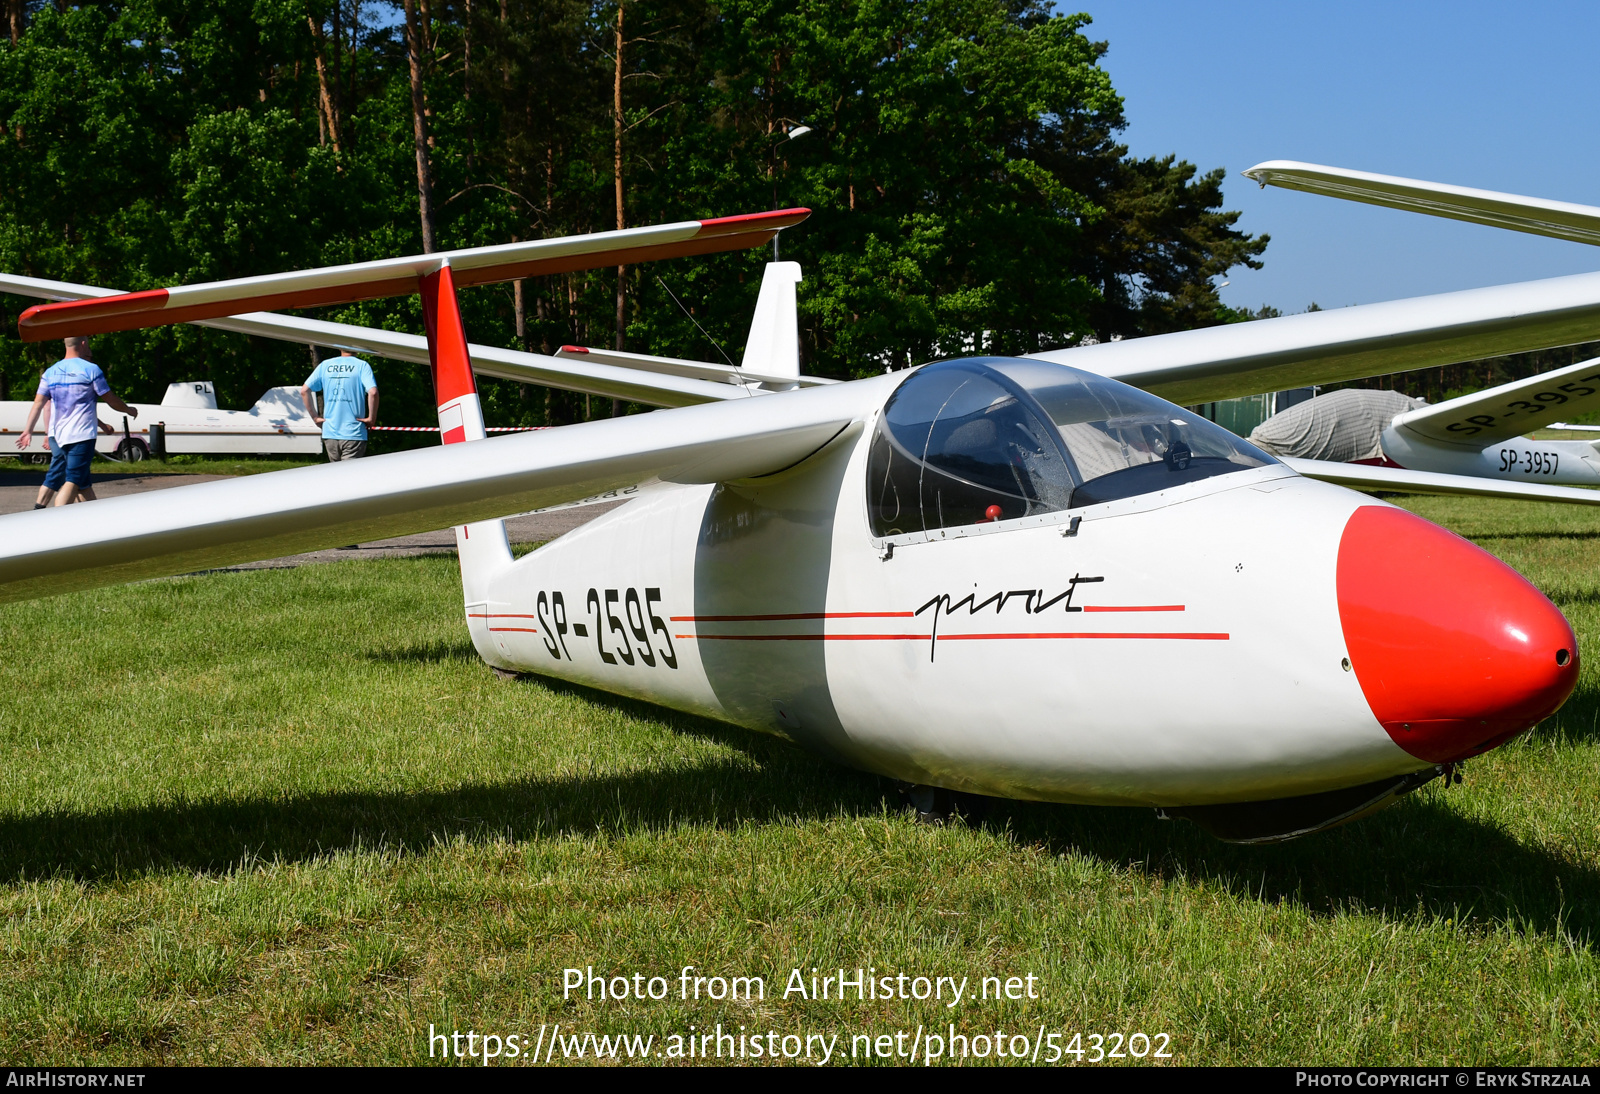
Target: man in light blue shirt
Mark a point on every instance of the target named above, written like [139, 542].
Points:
[349, 402]
[71, 386]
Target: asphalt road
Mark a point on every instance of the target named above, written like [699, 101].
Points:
[19, 488]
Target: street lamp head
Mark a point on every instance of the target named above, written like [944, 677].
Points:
[799, 131]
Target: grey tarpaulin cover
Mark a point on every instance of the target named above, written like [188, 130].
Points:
[1340, 426]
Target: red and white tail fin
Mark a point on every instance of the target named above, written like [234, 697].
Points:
[482, 548]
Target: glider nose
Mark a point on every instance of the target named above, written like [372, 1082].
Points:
[1455, 651]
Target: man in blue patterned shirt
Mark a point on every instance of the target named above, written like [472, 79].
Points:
[72, 386]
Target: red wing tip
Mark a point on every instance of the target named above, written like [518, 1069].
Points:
[773, 218]
[573, 349]
[60, 317]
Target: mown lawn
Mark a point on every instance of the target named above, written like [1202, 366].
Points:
[288, 816]
[175, 465]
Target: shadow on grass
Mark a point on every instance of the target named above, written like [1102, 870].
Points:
[450, 649]
[1577, 722]
[215, 835]
[1574, 598]
[1419, 858]
[1477, 535]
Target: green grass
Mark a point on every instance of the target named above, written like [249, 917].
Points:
[289, 816]
[176, 466]
[179, 465]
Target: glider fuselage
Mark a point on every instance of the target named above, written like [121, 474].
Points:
[1186, 645]
[1520, 459]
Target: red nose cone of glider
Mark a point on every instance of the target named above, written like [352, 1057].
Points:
[1455, 651]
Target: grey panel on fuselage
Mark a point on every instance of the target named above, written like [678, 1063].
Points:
[766, 549]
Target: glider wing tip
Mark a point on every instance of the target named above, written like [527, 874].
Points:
[93, 315]
[755, 222]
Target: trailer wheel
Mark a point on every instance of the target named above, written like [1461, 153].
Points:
[132, 450]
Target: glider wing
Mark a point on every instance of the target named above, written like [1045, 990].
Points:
[1325, 347]
[675, 366]
[1360, 476]
[398, 276]
[1539, 216]
[165, 532]
[596, 376]
[1510, 410]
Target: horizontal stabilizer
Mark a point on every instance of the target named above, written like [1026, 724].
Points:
[176, 531]
[1325, 347]
[1539, 216]
[1510, 410]
[398, 276]
[584, 377]
[1361, 476]
[675, 366]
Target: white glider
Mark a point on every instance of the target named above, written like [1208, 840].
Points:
[1006, 576]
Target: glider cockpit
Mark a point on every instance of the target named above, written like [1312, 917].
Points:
[984, 440]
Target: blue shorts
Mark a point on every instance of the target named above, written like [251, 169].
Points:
[69, 463]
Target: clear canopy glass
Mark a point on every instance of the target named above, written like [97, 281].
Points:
[992, 439]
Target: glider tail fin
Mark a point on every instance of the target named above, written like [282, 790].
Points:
[773, 348]
[482, 547]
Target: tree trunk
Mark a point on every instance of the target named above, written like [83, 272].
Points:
[419, 128]
[14, 11]
[519, 313]
[328, 112]
[336, 76]
[519, 310]
[616, 174]
[351, 67]
[466, 85]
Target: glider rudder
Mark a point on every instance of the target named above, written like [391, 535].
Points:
[482, 547]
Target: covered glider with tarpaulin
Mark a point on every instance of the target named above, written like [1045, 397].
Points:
[1341, 426]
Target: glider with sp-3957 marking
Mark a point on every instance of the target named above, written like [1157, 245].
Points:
[1483, 434]
[1023, 577]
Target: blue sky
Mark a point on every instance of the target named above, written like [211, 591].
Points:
[1498, 96]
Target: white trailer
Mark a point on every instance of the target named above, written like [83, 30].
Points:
[276, 426]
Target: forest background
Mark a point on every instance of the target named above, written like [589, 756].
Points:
[968, 188]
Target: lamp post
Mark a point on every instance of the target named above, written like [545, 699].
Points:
[793, 133]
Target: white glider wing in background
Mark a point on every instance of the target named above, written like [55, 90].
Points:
[1371, 339]
[1538, 216]
[1510, 410]
[677, 366]
[1364, 476]
[586, 376]
[1199, 366]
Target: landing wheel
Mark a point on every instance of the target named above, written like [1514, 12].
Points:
[936, 805]
[505, 674]
[132, 451]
